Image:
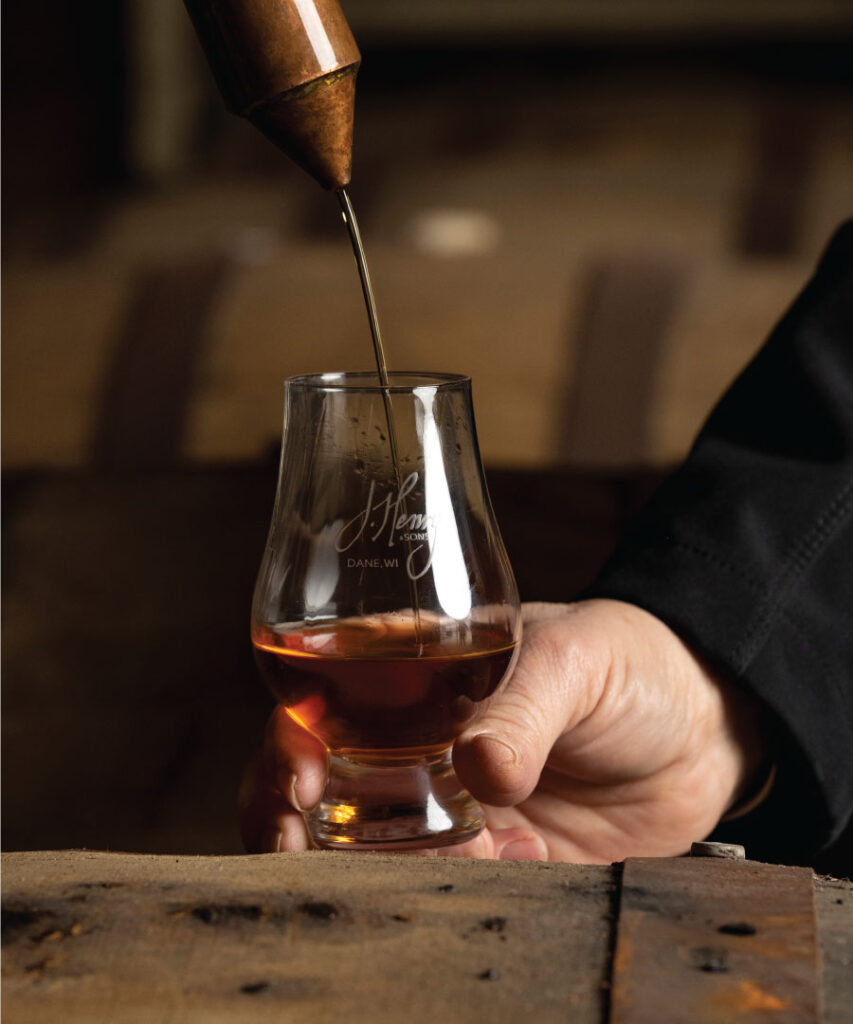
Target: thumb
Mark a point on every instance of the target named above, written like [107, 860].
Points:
[555, 684]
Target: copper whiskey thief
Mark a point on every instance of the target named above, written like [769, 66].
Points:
[289, 66]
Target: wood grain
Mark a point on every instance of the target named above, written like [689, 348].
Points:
[715, 941]
[320, 937]
[307, 938]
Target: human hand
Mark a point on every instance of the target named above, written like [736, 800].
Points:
[610, 739]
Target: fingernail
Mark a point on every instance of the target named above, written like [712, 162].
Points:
[524, 849]
[291, 794]
[271, 841]
[496, 749]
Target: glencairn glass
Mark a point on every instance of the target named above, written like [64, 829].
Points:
[385, 613]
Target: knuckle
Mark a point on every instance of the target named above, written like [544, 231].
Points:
[571, 661]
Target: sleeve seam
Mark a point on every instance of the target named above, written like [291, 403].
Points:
[709, 556]
[777, 589]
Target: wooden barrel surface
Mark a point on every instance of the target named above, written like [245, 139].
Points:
[321, 937]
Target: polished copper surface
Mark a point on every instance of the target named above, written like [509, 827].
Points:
[289, 66]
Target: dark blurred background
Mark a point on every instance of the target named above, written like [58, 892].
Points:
[596, 208]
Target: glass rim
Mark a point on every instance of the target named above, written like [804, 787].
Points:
[368, 381]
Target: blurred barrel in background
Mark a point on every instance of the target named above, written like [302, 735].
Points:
[598, 210]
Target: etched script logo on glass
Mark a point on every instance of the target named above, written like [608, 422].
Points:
[388, 521]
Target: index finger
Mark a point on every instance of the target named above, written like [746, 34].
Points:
[295, 761]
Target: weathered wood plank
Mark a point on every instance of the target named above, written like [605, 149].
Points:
[834, 901]
[716, 941]
[313, 937]
[307, 938]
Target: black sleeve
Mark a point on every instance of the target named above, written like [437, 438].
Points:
[747, 552]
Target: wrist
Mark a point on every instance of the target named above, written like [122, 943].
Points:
[755, 797]
[749, 732]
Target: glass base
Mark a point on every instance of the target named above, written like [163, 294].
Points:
[408, 806]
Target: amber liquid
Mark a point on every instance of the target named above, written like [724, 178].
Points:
[361, 687]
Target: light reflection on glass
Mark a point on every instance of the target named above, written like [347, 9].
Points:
[323, 571]
[448, 563]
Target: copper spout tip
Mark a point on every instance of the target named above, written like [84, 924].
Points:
[313, 124]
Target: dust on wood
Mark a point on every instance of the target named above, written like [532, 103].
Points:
[314, 938]
[307, 938]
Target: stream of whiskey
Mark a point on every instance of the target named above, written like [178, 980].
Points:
[351, 222]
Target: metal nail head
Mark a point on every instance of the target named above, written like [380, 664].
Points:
[726, 851]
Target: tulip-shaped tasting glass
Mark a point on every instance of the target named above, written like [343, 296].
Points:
[385, 612]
